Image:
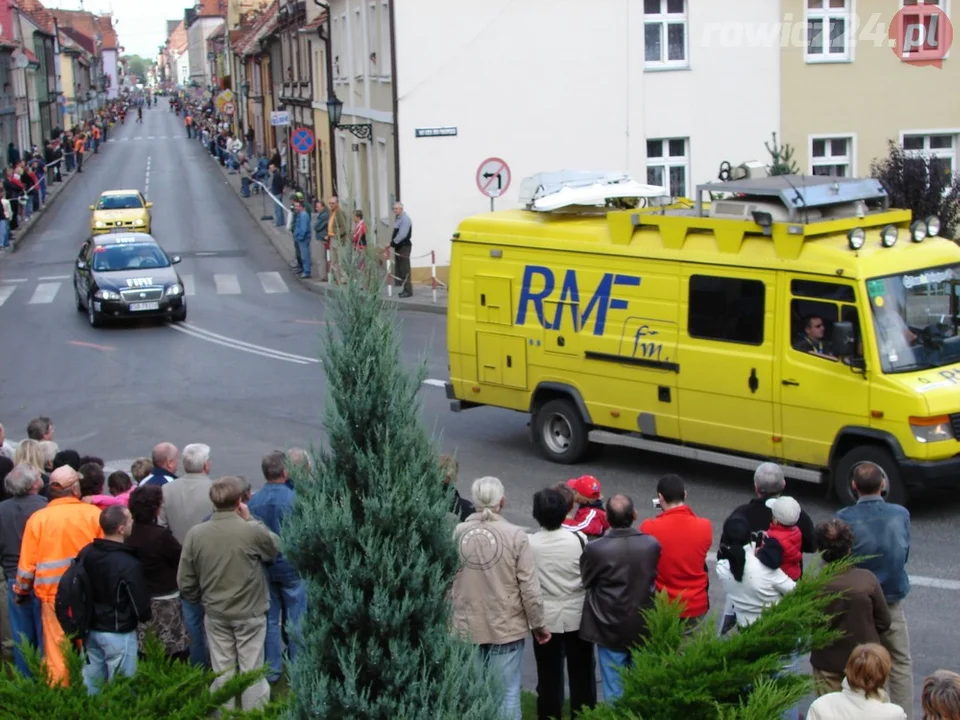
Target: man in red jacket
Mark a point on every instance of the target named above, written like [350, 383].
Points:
[685, 541]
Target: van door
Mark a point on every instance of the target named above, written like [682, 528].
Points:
[819, 394]
[726, 384]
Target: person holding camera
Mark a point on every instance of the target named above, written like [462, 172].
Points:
[881, 533]
[684, 543]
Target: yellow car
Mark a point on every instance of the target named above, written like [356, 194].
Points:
[126, 209]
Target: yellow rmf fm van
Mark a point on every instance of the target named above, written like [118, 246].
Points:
[787, 318]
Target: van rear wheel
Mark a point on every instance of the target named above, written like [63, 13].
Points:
[560, 432]
[842, 479]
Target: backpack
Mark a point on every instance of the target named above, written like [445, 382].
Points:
[74, 601]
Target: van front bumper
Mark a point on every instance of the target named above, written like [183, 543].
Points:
[926, 475]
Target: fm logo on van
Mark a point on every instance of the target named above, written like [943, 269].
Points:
[600, 301]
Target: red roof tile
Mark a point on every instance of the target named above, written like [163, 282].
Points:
[212, 8]
[263, 26]
[87, 43]
[178, 38]
[37, 13]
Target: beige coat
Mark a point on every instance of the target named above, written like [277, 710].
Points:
[851, 704]
[186, 501]
[496, 593]
[556, 555]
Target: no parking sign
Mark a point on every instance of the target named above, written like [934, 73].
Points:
[302, 140]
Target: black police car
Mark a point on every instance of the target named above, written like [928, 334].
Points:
[124, 275]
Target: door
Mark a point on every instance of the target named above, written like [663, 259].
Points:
[502, 360]
[81, 276]
[726, 382]
[819, 393]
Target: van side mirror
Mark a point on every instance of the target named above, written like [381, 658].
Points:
[844, 340]
[175, 259]
[91, 207]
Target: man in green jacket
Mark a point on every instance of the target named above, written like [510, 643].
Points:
[221, 566]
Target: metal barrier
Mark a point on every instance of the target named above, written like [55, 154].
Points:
[435, 282]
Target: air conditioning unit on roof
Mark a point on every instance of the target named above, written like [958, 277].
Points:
[550, 191]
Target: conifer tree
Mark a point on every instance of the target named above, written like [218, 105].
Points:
[781, 157]
[372, 537]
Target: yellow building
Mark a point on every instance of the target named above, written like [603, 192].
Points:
[857, 74]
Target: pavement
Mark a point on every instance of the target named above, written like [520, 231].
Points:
[260, 207]
[242, 374]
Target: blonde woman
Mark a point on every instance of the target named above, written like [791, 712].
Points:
[941, 696]
[30, 452]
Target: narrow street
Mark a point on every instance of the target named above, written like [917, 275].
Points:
[242, 374]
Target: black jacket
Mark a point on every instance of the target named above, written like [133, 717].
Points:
[759, 516]
[120, 597]
[619, 572]
[276, 183]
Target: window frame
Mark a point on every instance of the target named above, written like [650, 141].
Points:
[943, 5]
[664, 19]
[727, 278]
[667, 161]
[385, 63]
[825, 14]
[830, 160]
[926, 134]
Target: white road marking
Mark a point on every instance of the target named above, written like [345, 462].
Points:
[226, 284]
[44, 293]
[272, 282]
[5, 292]
[936, 583]
[201, 334]
[14, 280]
[138, 137]
[204, 254]
[435, 383]
[189, 286]
[149, 137]
[54, 277]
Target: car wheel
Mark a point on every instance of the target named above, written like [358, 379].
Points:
[560, 432]
[77, 299]
[842, 479]
[180, 316]
[92, 315]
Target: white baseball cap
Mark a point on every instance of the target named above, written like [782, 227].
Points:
[786, 510]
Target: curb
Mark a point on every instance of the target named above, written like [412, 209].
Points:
[315, 286]
[27, 229]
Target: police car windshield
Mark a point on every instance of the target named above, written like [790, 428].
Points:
[916, 317]
[129, 256]
[119, 202]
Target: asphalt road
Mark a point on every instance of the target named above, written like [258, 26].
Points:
[241, 375]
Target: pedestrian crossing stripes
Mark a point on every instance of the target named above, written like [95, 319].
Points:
[54, 288]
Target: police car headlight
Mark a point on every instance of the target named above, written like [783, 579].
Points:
[107, 295]
[932, 429]
[918, 231]
[99, 224]
[138, 223]
[175, 289]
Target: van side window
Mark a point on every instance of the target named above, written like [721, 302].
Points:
[726, 309]
[816, 306]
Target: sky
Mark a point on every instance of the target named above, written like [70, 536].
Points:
[141, 25]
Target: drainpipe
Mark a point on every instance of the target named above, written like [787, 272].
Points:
[396, 102]
[332, 139]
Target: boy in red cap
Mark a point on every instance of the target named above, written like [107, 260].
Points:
[590, 517]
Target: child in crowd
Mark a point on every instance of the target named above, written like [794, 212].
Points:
[120, 486]
[140, 470]
[590, 518]
[783, 529]
[92, 481]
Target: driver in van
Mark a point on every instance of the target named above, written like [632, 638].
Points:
[812, 339]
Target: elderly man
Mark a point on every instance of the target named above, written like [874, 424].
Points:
[496, 593]
[402, 244]
[165, 458]
[299, 465]
[52, 537]
[186, 503]
[22, 484]
[40, 428]
[221, 566]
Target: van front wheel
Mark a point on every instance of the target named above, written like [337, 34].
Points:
[560, 432]
[879, 456]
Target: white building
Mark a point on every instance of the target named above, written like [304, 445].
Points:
[207, 19]
[644, 87]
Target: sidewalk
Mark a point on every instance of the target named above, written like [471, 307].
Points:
[53, 192]
[282, 240]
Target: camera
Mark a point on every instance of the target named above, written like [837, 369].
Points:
[656, 504]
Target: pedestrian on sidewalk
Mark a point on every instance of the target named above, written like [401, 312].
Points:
[302, 236]
[338, 235]
[320, 225]
[120, 601]
[402, 244]
[4, 220]
[78, 150]
[276, 189]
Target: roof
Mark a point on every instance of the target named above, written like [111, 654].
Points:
[178, 38]
[117, 237]
[37, 14]
[314, 24]
[120, 192]
[85, 42]
[212, 8]
[110, 41]
[81, 21]
[264, 25]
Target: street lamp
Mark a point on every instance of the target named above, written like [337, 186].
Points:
[335, 110]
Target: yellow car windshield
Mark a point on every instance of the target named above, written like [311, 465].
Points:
[120, 202]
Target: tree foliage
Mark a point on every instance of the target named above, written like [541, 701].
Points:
[701, 676]
[162, 689]
[138, 66]
[781, 157]
[921, 183]
[372, 538]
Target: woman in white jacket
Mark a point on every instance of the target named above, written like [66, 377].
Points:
[862, 696]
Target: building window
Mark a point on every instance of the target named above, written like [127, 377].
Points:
[726, 309]
[382, 179]
[829, 24]
[942, 148]
[320, 74]
[356, 33]
[924, 33]
[668, 165]
[832, 156]
[340, 61]
[665, 34]
[384, 58]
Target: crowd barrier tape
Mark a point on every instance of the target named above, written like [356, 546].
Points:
[435, 282]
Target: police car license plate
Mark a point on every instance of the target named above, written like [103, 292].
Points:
[134, 307]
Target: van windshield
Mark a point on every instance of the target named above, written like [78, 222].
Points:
[915, 316]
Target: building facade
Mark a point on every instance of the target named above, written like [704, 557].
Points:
[201, 21]
[843, 50]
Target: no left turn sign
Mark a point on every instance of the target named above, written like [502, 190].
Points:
[493, 177]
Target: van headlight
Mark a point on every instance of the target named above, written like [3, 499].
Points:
[932, 429]
[175, 289]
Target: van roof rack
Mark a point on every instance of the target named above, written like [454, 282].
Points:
[570, 189]
[798, 193]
